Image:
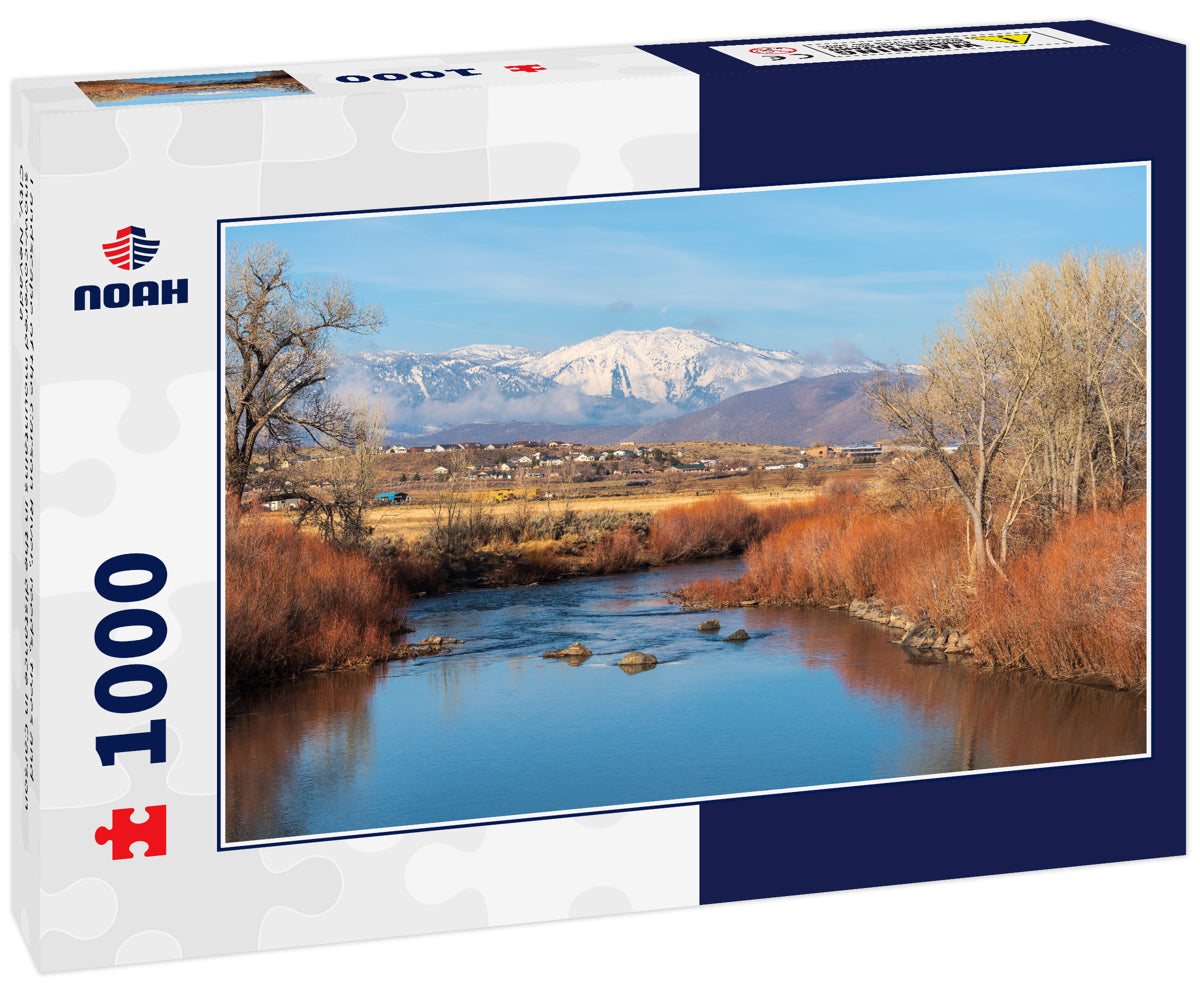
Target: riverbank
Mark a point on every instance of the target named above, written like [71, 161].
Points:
[1070, 606]
[481, 549]
[491, 728]
[297, 605]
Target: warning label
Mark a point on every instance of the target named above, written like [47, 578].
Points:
[790, 53]
[1013, 39]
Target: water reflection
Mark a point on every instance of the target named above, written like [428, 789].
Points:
[493, 729]
[283, 742]
[998, 719]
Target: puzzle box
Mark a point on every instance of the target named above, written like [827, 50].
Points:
[572, 364]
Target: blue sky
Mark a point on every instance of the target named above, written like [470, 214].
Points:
[873, 266]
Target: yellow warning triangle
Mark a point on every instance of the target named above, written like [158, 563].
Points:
[1015, 39]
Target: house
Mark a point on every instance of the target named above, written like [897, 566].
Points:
[398, 450]
[281, 502]
[440, 470]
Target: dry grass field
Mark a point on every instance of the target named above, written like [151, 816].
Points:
[411, 520]
[637, 491]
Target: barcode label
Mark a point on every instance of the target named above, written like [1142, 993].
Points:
[798, 53]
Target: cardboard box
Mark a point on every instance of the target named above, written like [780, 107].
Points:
[754, 187]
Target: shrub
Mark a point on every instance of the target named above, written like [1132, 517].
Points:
[616, 552]
[1075, 607]
[710, 528]
[1071, 605]
[293, 602]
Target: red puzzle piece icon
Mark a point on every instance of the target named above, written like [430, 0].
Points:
[124, 832]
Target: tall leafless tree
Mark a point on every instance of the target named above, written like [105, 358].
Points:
[280, 333]
[1036, 391]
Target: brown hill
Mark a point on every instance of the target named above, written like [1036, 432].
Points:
[799, 412]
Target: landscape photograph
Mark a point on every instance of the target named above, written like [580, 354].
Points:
[193, 87]
[542, 509]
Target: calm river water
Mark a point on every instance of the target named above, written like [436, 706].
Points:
[493, 729]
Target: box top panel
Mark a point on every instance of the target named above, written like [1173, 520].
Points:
[807, 53]
[1032, 40]
[386, 75]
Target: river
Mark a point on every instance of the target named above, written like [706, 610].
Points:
[494, 730]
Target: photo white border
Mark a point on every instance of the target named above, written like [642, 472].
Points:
[226, 225]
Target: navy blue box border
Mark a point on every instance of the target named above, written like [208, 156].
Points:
[1117, 103]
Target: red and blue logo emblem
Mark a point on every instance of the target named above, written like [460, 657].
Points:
[131, 250]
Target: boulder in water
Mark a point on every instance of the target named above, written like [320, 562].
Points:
[576, 650]
[637, 661]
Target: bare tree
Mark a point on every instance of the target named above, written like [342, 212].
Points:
[976, 381]
[339, 511]
[1036, 393]
[279, 352]
[456, 515]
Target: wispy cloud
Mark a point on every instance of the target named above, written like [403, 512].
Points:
[779, 267]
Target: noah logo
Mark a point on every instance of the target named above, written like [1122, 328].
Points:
[131, 250]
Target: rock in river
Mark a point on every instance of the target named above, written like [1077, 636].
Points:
[636, 661]
[576, 650]
[709, 626]
[738, 635]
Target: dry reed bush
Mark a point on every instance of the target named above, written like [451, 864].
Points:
[713, 593]
[839, 547]
[293, 602]
[800, 563]
[616, 552]
[538, 561]
[776, 516]
[709, 528]
[1074, 608]
[412, 568]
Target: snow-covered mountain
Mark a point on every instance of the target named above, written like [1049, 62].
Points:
[409, 378]
[687, 368]
[619, 377]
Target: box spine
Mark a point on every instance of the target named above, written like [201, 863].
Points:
[26, 861]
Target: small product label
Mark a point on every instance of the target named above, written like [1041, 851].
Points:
[831, 50]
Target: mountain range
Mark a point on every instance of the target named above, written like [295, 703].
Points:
[663, 385]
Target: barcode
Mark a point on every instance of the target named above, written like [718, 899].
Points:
[885, 48]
